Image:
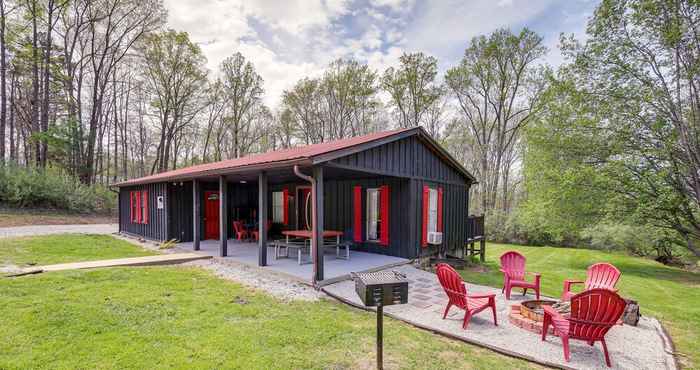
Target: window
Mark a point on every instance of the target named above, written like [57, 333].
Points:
[433, 211]
[144, 207]
[277, 207]
[138, 201]
[373, 215]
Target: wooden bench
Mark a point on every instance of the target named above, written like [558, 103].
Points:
[300, 248]
[338, 247]
[303, 247]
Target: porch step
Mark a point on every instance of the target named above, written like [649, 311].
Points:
[161, 259]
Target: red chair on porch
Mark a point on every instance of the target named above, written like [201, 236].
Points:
[256, 232]
[457, 293]
[600, 275]
[240, 230]
[593, 313]
[513, 269]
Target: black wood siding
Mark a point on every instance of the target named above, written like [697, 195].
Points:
[180, 211]
[407, 157]
[156, 229]
[454, 215]
[339, 210]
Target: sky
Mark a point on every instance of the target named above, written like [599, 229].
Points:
[287, 40]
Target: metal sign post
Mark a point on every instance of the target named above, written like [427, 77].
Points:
[380, 334]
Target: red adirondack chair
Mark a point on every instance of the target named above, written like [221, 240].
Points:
[240, 230]
[593, 313]
[513, 269]
[600, 275]
[457, 293]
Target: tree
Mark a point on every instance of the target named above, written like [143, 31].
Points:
[342, 103]
[114, 27]
[640, 72]
[413, 89]
[176, 77]
[243, 88]
[497, 89]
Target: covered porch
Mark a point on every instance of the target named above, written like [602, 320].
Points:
[317, 199]
[334, 268]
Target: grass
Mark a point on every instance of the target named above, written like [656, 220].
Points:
[179, 317]
[23, 217]
[667, 293]
[44, 250]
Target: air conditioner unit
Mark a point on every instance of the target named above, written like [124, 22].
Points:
[434, 238]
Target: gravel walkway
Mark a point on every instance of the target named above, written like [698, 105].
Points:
[641, 347]
[10, 232]
[267, 281]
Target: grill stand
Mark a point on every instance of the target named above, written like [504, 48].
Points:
[380, 335]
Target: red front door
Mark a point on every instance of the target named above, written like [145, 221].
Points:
[211, 215]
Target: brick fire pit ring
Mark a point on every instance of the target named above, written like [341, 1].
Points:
[529, 315]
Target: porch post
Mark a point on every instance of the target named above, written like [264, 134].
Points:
[317, 214]
[196, 219]
[223, 217]
[262, 219]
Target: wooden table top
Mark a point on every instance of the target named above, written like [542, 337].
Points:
[307, 233]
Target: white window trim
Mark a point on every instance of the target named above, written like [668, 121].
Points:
[277, 206]
[432, 210]
[368, 215]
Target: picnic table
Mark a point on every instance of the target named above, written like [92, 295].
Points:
[306, 235]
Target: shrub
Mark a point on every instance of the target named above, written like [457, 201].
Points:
[49, 188]
[646, 241]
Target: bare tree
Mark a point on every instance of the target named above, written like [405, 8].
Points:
[497, 93]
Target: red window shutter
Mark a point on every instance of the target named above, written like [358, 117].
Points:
[138, 207]
[285, 206]
[439, 210]
[426, 207]
[132, 214]
[384, 212]
[145, 207]
[357, 214]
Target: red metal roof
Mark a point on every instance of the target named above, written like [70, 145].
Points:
[298, 153]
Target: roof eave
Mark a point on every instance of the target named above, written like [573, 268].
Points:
[218, 172]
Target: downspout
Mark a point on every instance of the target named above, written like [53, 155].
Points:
[314, 240]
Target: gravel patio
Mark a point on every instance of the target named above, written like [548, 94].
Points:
[643, 347]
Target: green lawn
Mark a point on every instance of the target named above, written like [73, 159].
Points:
[178, 317]
[44, 250]
[667, 293]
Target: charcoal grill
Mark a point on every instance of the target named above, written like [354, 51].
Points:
[379, 289]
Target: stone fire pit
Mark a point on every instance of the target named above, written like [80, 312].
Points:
[529, 315]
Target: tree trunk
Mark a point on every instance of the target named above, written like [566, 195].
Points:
[35, 84]
[3, 87]
[13, 149]
[47, 85]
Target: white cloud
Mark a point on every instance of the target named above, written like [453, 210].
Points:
[291, 39]
[442, 25]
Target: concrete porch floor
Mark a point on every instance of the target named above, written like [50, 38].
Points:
[334, 269]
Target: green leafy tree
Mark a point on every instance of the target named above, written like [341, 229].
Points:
[412, 88]
[640, 74]
[176, 77]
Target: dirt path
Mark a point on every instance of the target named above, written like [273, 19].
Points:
[9, 232]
